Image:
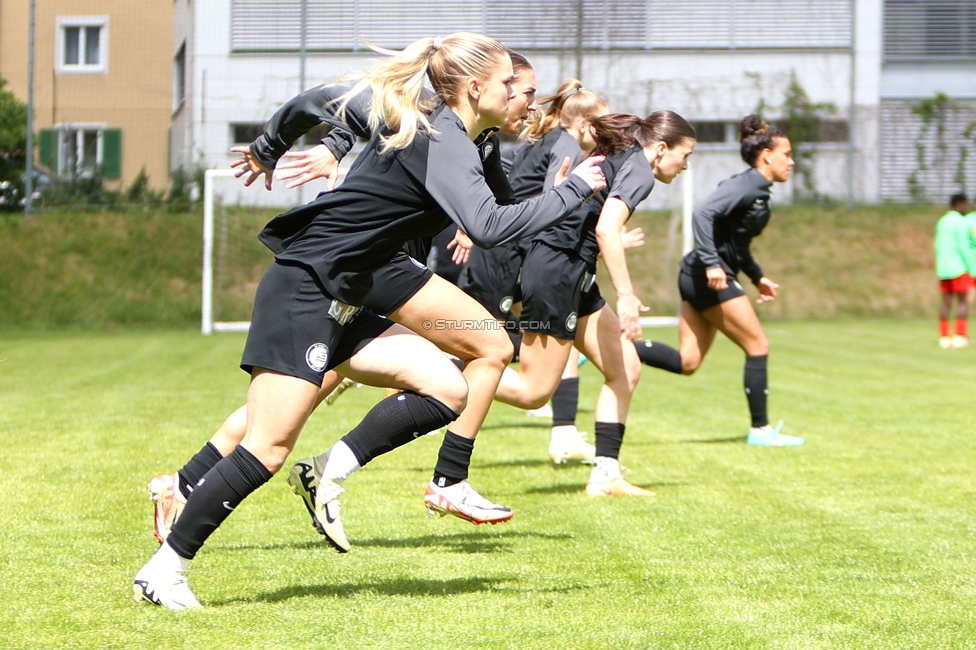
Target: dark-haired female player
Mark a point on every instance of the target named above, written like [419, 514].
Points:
[307, 316]
[562, 305]
[712, 298]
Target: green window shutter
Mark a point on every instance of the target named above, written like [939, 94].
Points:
[112, 153]
[48, 145]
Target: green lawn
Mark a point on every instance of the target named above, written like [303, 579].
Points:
[863, 538]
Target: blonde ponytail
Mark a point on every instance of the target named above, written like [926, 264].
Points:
[398, 82]
[570, 102]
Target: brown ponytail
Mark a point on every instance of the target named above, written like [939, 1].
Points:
[619, 131]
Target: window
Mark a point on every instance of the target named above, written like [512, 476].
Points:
[934, 30]
[710, 131]
[241, 134]
[82, 44]
[82, 150]
[727, 132]
[179, 77]
[245, 133]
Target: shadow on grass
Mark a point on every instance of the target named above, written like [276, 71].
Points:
[709, 441]
[400, 587]
[515, 462]
[475, 542]
[461, 542]
[577, 488]
[544, 424]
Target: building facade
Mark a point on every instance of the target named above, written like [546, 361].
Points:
[102, 84]
[892, 83]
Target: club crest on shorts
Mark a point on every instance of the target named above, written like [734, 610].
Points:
[317, 356]
[571, 322]
[506, 304]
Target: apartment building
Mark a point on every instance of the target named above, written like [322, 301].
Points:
[103, 84]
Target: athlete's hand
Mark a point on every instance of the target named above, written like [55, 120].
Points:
[631, 238]
[591, 173]
[249, 164]
[767, 290]
[463, 244]
[629, 309]
[717, 280]
[308, 165]
[563, 172]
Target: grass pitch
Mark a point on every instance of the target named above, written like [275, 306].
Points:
[863, 538]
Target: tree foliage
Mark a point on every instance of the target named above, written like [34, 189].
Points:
[13, 147]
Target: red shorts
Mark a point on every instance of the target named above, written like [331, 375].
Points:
[962, 284]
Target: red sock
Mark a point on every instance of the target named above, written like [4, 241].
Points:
[943, 328]
[962, 327]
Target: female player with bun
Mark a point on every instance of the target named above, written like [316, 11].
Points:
[712, 298]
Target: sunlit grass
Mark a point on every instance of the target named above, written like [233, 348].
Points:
[863, 538]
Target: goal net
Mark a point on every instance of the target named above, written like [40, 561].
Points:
[233, 259]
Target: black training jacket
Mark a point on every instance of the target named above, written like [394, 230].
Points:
[389, 198]
[629, 178]
[725, 224]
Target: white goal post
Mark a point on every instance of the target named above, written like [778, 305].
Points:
[232, 217]
[233, 258]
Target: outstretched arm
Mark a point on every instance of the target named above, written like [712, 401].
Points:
[455, 180]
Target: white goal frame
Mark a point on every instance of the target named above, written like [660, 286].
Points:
[207, 325]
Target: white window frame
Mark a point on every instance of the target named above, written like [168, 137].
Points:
[179, 98]
[64, 22]
[79, 128]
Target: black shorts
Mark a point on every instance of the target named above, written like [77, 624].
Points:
[694, 289]
[395, 283]
[558, 288]
[299, 331]
[492, 278]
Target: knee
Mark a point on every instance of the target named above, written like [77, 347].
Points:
[274, 458]
[454, 394]
[495, 348]
[448, 386]
[760, 348]
[536, 400]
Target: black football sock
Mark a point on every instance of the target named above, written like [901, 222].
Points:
[201, 463]
[757, 391]
[609, 438]
[213, 499]
[659, 355]
[394, 422]
[453, 460]
[565, 402]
